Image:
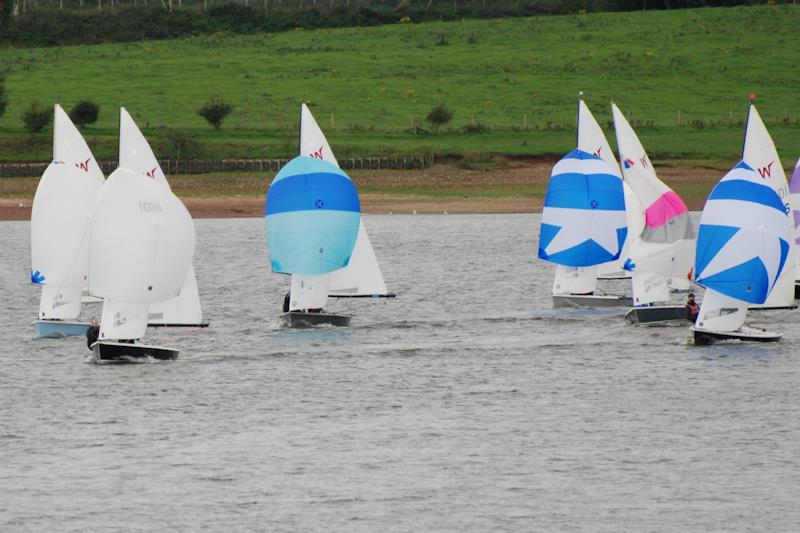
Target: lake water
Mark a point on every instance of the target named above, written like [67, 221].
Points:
[466, 404]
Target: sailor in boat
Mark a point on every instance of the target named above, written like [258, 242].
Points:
[92, 333]
[692, 309]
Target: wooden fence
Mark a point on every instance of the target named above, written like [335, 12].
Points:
[206, 166]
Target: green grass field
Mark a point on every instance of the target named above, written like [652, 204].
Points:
[519, 77]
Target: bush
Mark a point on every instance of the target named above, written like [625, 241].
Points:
[85, 112]
[37, 118]
[215, 112]
[181, 143]
[439, 116]
[3, 99]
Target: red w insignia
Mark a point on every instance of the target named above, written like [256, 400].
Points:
[643, 159]
[766, 172]
[597, 152]
[84, 166]
[151, 173]
[317, 154]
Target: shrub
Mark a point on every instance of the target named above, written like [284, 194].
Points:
[3, 99]
[215, 112]
[181, 143]
[439, 116]
[36, 118]
[85, 112]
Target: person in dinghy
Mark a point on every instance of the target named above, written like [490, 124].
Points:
[692, 308]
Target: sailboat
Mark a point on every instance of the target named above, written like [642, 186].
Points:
[60, 229]
[135, 153]
[743, 247]
[312, 215]
[794, 199]
[759, 152]
[584, 222]
[664, 249]
[141, 248]
[361, 278]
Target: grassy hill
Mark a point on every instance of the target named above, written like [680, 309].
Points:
[683, 75]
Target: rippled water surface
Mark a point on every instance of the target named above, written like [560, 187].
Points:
[467, 403]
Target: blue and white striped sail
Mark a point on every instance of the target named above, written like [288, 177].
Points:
[312, 214]
[743, 240]
[583, 222]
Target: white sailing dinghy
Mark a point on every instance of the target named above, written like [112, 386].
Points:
[759, 152]
[141, 248]
[135, 153]
[361, 278]
[743, 249]
[794, 198]
[584, 222]
[664, 249]
[312, 215]
[60, 230]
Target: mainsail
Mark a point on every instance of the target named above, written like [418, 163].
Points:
[794, 199]
[60, 221]
[135, 154]
[759, 153]
[664, 248]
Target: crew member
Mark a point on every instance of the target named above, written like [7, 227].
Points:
[692, 309]
[92, 333]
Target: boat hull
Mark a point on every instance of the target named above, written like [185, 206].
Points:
[591, 300]
[110, 351]
[657, 315]
[704, 337]
[55, 329]
[299, 319]
[203, 324]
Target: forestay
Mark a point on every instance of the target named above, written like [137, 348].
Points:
[142, 243]
[60, 220]
[664, 248]
[583, 221]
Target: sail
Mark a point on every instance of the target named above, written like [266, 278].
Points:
[743, 241]
[362, 276]
[60, 219]
[720, 312]
[184, 309]
[135, 152]
[575, 280]
[794, 199]
[583, 222]
[665, 243]
[309, 292]
[759, 153]
[142, 242]
[312, 217]
[123, 320]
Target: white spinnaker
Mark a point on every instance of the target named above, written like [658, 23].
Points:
[142, 242]
[591, 139]
[362, 275]
[721, 313]
[60, 220]
[135, 153]
[760, 154]
[184, 309]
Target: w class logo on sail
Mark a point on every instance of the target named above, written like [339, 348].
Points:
[317, 154]
[84, 165]
[151, 173]
[766, 172]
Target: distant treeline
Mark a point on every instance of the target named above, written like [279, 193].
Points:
[57, 22]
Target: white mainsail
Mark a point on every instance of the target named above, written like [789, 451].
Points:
[662, 248]
[60, 221]
[135, 154]
[760, 154]
[141, 248]
[362, 276]
[794, 199]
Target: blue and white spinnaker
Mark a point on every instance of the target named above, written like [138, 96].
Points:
[743, 240]
[583, 222]
[312, 215]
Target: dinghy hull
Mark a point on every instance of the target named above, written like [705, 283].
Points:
[55, 329]
[704, 337]
[591, 300]
[109, 351]
[657, 315]
[155, 324]
[299, 319]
